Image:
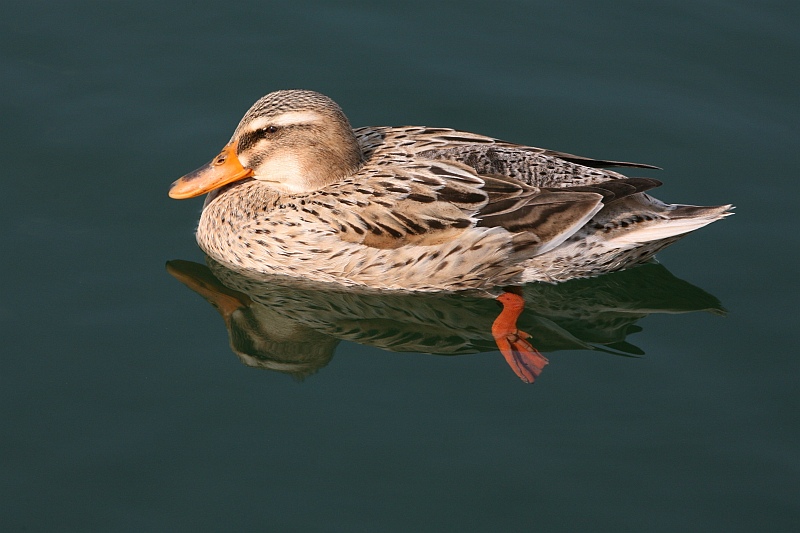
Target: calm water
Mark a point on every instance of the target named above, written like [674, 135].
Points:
[125, 408]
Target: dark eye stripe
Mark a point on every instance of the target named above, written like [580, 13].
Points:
[248, 139]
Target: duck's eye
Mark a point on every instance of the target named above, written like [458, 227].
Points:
[270, 129]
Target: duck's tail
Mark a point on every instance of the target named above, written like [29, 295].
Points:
[622, 234]
[658, 222]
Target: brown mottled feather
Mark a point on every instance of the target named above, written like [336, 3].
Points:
[419, 208]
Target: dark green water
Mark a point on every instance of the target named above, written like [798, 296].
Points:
[124, 408]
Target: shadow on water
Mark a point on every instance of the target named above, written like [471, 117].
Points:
[293, 326]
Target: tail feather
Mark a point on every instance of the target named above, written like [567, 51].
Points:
[674, 221]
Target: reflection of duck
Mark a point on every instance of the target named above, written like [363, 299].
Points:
[293, 325]
[298, 192]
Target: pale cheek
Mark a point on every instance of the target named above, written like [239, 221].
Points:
[284, 170]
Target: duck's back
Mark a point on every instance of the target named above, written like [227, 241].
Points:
[533, 166]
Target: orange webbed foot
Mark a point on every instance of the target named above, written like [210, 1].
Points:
[524, 359]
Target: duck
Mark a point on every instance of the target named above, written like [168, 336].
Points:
[299, 192]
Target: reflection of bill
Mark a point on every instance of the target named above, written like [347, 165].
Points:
[293, 326]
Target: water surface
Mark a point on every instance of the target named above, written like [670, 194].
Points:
[125, 407]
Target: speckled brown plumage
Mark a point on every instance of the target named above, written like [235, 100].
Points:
[422, 209]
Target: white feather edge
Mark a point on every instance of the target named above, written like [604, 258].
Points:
[668, 228]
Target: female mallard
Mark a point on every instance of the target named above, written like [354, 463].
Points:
[298, 192]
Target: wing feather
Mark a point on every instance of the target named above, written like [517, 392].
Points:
[447, 185]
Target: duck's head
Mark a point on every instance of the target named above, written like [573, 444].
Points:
[293, 141]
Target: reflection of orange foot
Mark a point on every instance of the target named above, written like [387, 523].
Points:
[523, 358]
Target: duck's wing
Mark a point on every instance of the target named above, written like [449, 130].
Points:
[551, 215]
[486, 155]
[399, 204]
[433, 202]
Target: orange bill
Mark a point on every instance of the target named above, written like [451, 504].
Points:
[223, 169]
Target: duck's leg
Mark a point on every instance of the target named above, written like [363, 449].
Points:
[523, 358]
